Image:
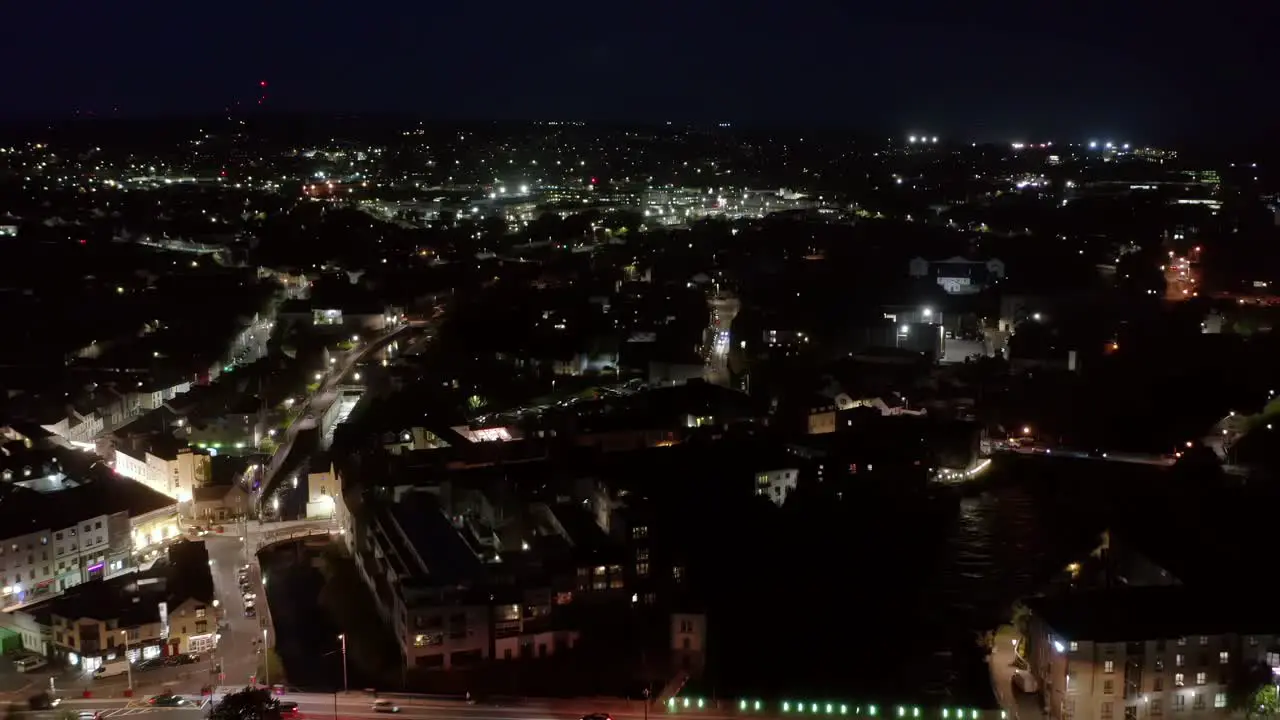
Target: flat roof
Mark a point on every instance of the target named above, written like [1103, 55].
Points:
[102, 493]
[449, 558]
[1135, 614]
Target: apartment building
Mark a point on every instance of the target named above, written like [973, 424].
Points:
[777, 485]
[435, 582]
[1146, 653]
[140, 616]
[52, 551]
[53, 541]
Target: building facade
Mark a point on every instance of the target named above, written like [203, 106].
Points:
[1152, 670]
[87, 641]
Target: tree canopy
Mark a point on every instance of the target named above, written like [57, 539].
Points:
[251, 703]
[1251, 691]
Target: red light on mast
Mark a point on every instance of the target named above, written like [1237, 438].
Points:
[262, 83]
[593, 181]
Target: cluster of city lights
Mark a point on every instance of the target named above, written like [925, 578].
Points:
[828, 708]
[1108, 145]
[923, 139]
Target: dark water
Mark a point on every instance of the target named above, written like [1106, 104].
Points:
[306, 638]
[894, 614]
[1010, 539]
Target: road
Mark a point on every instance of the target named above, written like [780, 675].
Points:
[1116, 457]
[1181, 276]
[139, 707]
[716, 353]
[316, 405]
[360, 705]
[1017, 704]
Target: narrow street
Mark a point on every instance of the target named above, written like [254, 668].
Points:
[1004, 666]
[716, 350]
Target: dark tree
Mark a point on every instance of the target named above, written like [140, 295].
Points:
[1250, 690]
[547, 226]
[251, 703]
[1198, 465]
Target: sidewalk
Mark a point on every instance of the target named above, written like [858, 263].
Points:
[1019, 705]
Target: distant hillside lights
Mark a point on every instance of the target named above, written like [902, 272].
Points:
[922, 140]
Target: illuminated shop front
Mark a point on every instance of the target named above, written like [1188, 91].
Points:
[155, 528]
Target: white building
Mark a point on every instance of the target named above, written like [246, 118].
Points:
[1146, 652]
[323, 491]
[777, 485]
[175, 473]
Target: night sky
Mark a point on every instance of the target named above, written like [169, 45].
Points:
[992, 69]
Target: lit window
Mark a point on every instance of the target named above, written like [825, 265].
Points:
[1179, 680]
[1109, 666]
[1179, 660]
[1224, 657]
[1220, 700]
[1201, 678]
[1073, 646]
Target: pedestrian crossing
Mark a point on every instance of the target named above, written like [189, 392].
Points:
[142, 707]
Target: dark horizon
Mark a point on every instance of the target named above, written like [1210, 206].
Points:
[1002, 72]
[324, 121]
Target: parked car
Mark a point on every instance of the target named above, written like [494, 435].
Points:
[111, 668]
[250, 612]
[287, 707]
[168, 700]
[29, 663]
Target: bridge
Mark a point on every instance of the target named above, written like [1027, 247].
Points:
[259, 536]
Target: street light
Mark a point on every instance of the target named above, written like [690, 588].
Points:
[343, 638]
[266, 660]
[128, 666]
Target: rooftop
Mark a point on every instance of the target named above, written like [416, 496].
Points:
[134, 599]
[1150, 613]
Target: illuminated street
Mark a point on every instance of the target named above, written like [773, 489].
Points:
[716, 355]
[1182, 276]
